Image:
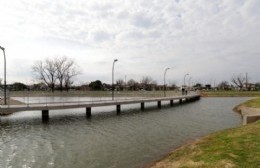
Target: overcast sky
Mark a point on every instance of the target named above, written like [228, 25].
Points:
[210, 40]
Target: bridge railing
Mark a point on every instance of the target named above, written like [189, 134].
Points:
[44, 97]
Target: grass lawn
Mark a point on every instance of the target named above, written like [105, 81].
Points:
[238, 147]
[253, 103]
[230, 93]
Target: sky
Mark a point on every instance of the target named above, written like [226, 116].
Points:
[210, 40]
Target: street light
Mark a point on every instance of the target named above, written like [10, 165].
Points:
[189, 80]
[184, 82]
[115, 60]
[164, 86]
[184, 79]
[189, 83]
[2, 48]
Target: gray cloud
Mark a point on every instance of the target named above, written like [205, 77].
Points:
[140, 20]
[101, 36]
[200, 37]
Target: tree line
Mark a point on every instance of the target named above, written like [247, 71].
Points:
[146, 83]
[59, 73]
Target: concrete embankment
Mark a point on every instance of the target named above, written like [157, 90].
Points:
[249, 114]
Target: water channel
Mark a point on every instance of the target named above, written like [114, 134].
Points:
[133, 139]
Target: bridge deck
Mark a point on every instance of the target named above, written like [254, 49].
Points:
[6, 109]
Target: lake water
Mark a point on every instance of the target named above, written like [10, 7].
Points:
[133, 139]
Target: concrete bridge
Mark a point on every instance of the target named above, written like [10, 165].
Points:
[45, 108]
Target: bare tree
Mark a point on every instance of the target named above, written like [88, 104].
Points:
[223, 85]
[46, 72]
[66, 69]
[132, 84]
[147, 82]
[68, 79]
[120, 84]
[62, 69]
[60, 64]
[238, 81]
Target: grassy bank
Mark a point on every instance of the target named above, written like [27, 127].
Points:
[237, 147]
[230, 93]
[255, 103]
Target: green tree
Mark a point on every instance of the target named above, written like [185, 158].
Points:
[96, 85]
[198, 86]
[17, 86]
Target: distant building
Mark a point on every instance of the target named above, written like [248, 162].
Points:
[249, 87]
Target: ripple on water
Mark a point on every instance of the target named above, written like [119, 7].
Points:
[131, 139]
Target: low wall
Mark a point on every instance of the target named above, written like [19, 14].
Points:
[250, 114]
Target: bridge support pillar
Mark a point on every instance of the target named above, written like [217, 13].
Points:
[142, 106]
[118, 109]
[159, 104]
[180, 101]
[171, 102]
[88, 112]
[45, 115]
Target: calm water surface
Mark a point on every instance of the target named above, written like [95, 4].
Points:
[132, 139]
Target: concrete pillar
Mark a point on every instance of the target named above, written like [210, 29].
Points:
[142, 106]
[244, 119]
[88, 112]
[45, 115]
[118, 109]
[159, 104]
[171, 102]
[180, 101]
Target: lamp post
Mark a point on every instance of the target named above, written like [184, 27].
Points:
[189, 83]
[164, 86]
[2, 48]
[184, 82]
[184, 79]
[115, 60]
[125, 82]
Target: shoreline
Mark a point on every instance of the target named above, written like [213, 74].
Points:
[165, 160]
[173, 149]
[176, 158]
